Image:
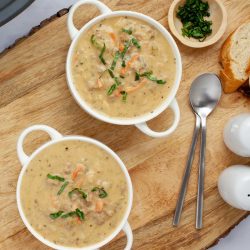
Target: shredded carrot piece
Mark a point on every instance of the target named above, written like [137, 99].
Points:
[117, 92]
[123, 71]
[138, 86]
[78, 220]
[129, 63]
[121, 47]
[74, 175]
[79, 168]
[113, 36]
[99, 205]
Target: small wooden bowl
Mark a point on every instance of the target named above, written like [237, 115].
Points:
[218, 16]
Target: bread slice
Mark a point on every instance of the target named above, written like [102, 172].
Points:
[235, 59]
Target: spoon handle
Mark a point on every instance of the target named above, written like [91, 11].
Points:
[186, 175]
[200, 198]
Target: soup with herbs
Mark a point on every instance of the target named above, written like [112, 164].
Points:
[74, 193]
[123, 67]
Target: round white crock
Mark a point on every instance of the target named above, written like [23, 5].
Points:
[139, 122]
[55, 138]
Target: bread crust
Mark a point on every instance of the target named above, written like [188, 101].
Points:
[229, 85]
[229, 82]
[225, 56]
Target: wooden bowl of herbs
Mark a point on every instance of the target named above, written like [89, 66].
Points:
[197, 23]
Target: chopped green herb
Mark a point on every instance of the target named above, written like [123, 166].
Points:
[137, 76]
[69, 214]
[159, 81]
[112, 89]
[111, 73]
[80, 214]
[117, 55]
[117, 81]
[150, 76]
[94, 42]
[92, 39]
[101, 192]
[147, 73]
[82, 193]
[123, 63]
[126, 47]
[192, 15]
[154, 79]
[61, 214]
[114, 86]
[124, 95]
[135, 43]
[55, 177]
[56, 215]
[128, 31]
[64, 185]
[101, 54]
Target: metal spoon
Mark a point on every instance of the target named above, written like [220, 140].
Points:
[204, 95]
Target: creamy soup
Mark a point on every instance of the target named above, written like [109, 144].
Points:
[74, 194]
[123, 67]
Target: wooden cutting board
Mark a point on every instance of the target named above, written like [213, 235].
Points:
[33, 90]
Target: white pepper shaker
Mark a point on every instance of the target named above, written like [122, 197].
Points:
[237, 135]
[234, 186]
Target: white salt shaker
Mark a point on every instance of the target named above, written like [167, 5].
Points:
[237, 135]
[234, 186]
[234, 181]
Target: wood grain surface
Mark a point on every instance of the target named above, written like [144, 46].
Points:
[33, 90]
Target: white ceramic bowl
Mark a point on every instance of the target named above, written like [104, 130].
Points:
[139, 122]
[55, 138]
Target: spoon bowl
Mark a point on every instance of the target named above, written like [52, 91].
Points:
[205, 93]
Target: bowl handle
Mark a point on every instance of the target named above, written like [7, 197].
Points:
[73, 31]
[23, 158]
[148, 131]
[128, 231]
